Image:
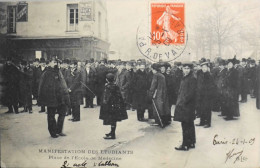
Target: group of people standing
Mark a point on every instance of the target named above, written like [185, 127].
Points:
[195, 88]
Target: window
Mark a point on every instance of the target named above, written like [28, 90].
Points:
[11, 19]
[73, 17]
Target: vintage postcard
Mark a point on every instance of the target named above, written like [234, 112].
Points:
[130, 84]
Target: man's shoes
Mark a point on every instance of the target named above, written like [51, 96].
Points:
[41, 111]
[54, 136]
[228, 118]
[182, 147]
[17, 112]
[75, 120]
[9, 112]
[199, 124]
[109, 134]
[206, 126]
[62, 134]
[70, 119]
[30, 111]
[220, 115]
[110, 137]
[85, 107]
[91, 106]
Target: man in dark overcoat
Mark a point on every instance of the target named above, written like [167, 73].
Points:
[74, 80]
[25, 86]
[243, 81]
[101, 72]
[185, 107]
[36, 78]
[140, 88]
[89, 79]
[53, 93]
[11, 86]
[205, 90]
[123, 80]
[252, 78]
[230, 105]
[43, 68]
[177, 75]
[258, 87]
[158, 94]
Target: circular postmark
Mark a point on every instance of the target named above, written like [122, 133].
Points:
[163, 36]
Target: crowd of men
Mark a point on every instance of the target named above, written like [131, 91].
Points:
[144, 86]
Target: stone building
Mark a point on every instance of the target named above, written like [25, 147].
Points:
[67, 29]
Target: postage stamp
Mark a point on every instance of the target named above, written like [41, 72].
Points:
[163, 37]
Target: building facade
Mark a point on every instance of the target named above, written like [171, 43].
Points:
[66, 29]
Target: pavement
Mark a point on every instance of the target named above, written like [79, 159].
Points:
[25, 142]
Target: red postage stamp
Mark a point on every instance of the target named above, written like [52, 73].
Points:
[167, 23]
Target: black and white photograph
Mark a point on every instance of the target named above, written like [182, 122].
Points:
[130, 84]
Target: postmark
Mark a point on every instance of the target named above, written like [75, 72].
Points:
[163, 36]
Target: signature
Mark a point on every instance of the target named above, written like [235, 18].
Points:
[79, 165]
[237, 155]
[84, 164]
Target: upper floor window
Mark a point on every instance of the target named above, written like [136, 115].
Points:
[11, 19]
[73, 17]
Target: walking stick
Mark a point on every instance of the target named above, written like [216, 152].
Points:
[157, 113]
[87, 88]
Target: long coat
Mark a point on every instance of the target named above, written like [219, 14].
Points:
[170, 84]
[140, 88]
[178, 74]
[37, 72]
[230, 93]
[186, 102]
[53, 90]
[112, 106]
[205, 92]
[74, 80]
[89, 79]
[101, 72]
[25, 86]
[258, 87]
[158, 91]
[123, 81]
[11, 85]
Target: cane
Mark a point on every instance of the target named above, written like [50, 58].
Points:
[87, 88]
[157, 113]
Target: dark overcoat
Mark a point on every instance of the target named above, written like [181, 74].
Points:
[158, 91]
[178, 74]
[140, 88]
[89, 79]
[170, 84]
[112, 106]
[37, 72]
[123, 81]
[101, 72]
[74, 79]
[53, 90]
[258, 87]
[11, 85]
[230, 93]
[25, 86]
[205, 92]
[186, 102]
